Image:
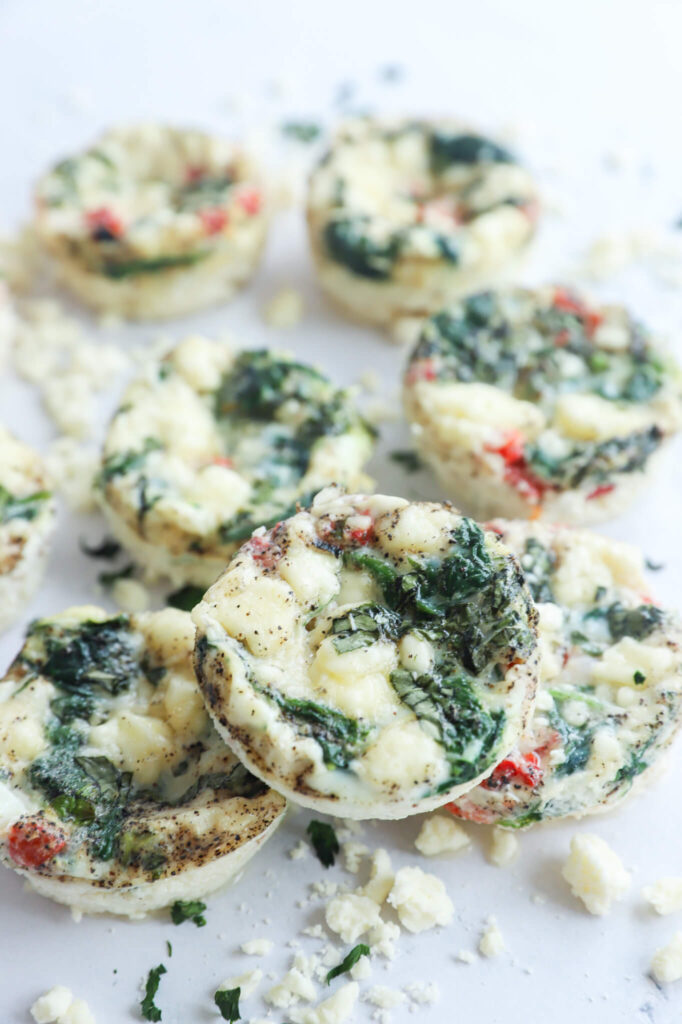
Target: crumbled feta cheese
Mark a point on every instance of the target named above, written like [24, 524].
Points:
[315, 931]
[381, 877]
[420, 899]
[666, 965]
[335, 1010]
[504, 847]
[595, 873]
[72, 468]
[257, 947]
[284, 309]
[299, 851]
[665, 895]
[492, 941]
[130, 595]
[441, 834]
[78, 1013]
[51, 1005]
[465, 956]
[247, 982]
[296, 985]
[353, 854]
[382, 939]
[384, 997]
[361, 970]
[370, 381]
[324, 888]
[425, 993]
[351, 915]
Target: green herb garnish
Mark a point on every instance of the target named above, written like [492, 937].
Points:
[188, 910]
[227, 1001]
[149, 1010]
[21, 508]
[348, 961]
[324, 840]
[186, 597]
[108, 549]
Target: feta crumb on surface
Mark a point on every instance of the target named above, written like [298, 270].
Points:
[353, 854]
[131, 595]
[595, 873]
[294, 987]
[425, 993]
[665, 895]
[382, 939]
[247, 982]
[420, 900]
[72, 467]
[285, 309]
[299, 851]
[51, 1004]
[335, 1010]
[257, 947]
[78, 1013]
[666, 965]
[383, 996]
[441, 834]
[492, 941]
[315, 931]
[381, 877]
[370, 381]
[361, 970]
[504, 847]
[351, 915]
[466, 956]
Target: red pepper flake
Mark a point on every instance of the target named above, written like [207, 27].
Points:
[598, 492]
[362, 534]
[214, 219]
[567, 302]
[562, 338]
[104, 224]
[531, 209]
[422, 369]
[250, 200]
[517, 472]
[223, 460]
[467, 810]
[32, 842]
[527, 769]
[194, 173]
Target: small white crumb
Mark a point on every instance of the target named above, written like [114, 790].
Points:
[382, 939]
[335, 1010]
[351, 915]
[131, 595]
[257, 947]
[51, 1005]
[538, 898]
[353, 854]
[381, 877]
[504, 847]
[666, 965]
[299, 851]
[285, 309]
[665, 895]
[315, 931]
[420, 900]
[72, 467]
[76, 915]
[492, 940]
[370, 381]
[384, 997]
[324, 889]
[441, 834]
[465, 956]
[247, 982]
[294, 987]
[425, 993]
[78, 1013]
[595, 873]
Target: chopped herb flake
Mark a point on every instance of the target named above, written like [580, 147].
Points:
[186, 597]
[108, 549]
[149, 1010]
[188, 910]
[325, 843]
[227, 1001]
[348, 961]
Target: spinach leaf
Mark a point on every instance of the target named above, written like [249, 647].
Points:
[538, 564]
[348, 961]
[446, 150]
[108, 549]
[93, 654]
[141, 847]
[409, 460]
[363, 625]
[325, 843]
[153, 265]
[599, 460]
[108, 579]
[125, 462]
[188, 910]
[227, 1001]
[21, 508]
[532, 815]
[186, 597]
[339, 737]
[148, 1008]
[577, 743]
[238, 781]
[301, 131]
[348, 243]
[635, 622]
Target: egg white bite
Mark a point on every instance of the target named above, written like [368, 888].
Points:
[116, 793]
[213, 442]
[405, 214]
[534, 404]
[369, 657]
[27, 514]
[153, 221]
[610, 696]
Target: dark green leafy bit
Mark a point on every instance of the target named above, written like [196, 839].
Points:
[324, 840]
[107, 579]
[186, 597]
[302, 131]
[169, 948]
[532, 815]
[409, 460]
[348, 961]
[446, 150]
[639, 678]
[347, 241]
[154, 265]
[147, 1007]
[21, 508]
[654, 566]
[637, 622]
[636, 764]
[340, 737]
[239, 781]
[125, 462]
[576, 741]
[538, 564]
[93, 654]
[188, 910]
[227, 1001]
[598, 461]
[141, 848]
[107, 550]
[364, 625]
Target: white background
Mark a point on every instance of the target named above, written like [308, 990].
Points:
[580, 83]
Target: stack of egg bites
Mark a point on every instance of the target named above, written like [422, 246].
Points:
[359, 654]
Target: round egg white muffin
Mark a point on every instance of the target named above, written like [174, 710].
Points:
[153, 221]
[27, 514]
[610, 696]
[370, 657]
[116, 793]
[534, 404]
[212, 442]
[403, 215]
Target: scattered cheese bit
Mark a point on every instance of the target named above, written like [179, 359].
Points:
[370, 381]
[503, 847]
[465, 956]
[299, 851]
[78, 1013]
[420, 899]
[130, 595]
[492, 941]
[381, 877]
[595, 873]
[284, 309]
[247, 982]
[666, 965]
[335, 1010]
[72, 467]
[382, 939]
[384, 997]
[665, 895]
[257, 947]
[423, 992]
[294, 987]
[361, 970]
[351, 915]
[51, 1005]
[353, 854]
[441, 834]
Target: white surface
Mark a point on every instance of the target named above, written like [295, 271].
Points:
[585, 79]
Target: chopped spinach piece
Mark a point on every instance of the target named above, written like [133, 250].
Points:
[339, 737]
[227, 1001]
[108, 579]
[21, 508]
[532, 815]
[124, 462]
[639, 677]
[654, 566]
[446, 150]
[302, 131]
[153, 265]
[324, 840]
[169, 948]
[141, 847]
[188, 910]
[73, 705]
[148, 1008]
[363, 625]
[598, 460]
[348, 961]
[349, 244]
[93, 654]
[238, 781]
[409, 460]
[108, 549]
[538, 564]
[186, 597]
[635, 622]
[577, 743]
